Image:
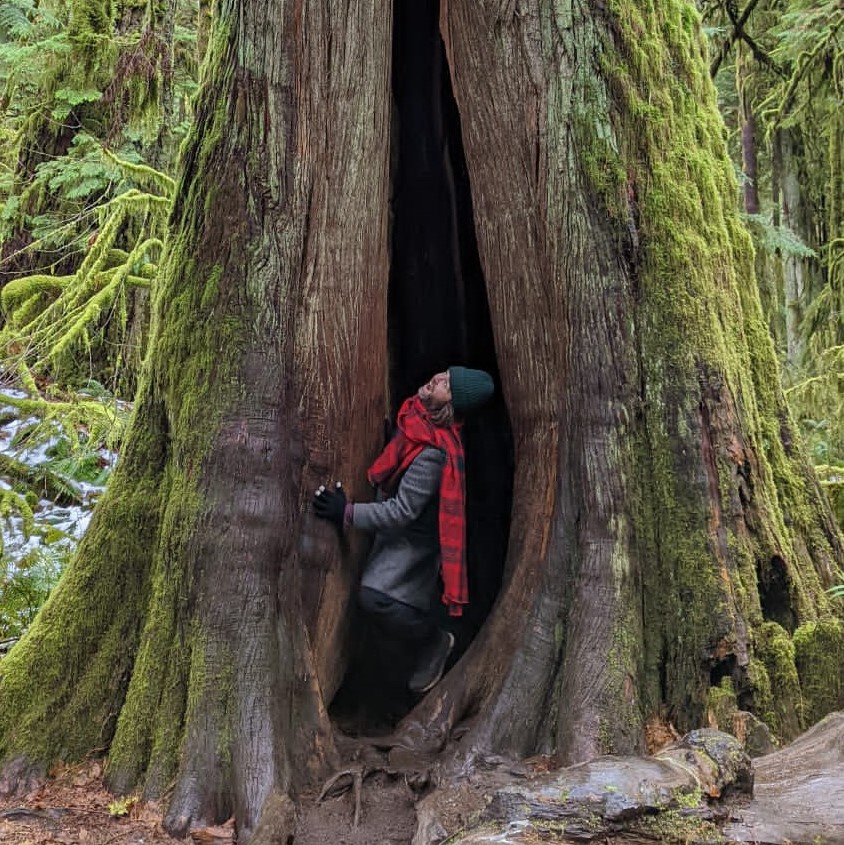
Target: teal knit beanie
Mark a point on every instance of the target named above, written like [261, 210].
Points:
[469, 388]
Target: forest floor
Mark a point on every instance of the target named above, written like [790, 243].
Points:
[72, 807]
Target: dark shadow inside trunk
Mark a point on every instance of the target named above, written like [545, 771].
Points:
[438, 316]
[774, 594]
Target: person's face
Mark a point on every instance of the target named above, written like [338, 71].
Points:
[437, 392]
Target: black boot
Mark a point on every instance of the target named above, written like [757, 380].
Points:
[431, 663]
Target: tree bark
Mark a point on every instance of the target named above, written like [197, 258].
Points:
[662, 508]
[205, 16]
[747, 127]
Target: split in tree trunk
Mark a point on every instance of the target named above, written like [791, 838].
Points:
[438, 316]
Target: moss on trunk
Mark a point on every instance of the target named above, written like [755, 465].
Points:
[819, 658]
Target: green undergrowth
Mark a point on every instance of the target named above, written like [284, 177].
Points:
[26, 581]
[61, 686]
[60, 454]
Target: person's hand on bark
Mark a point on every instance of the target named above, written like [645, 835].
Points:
[330, 504]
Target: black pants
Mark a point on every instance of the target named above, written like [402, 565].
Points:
[396, 618]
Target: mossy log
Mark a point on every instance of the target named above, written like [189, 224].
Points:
[674, 796]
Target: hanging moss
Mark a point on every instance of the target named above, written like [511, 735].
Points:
[90, 18]
[55, 325]
[819, 657]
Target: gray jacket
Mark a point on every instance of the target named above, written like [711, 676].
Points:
[405, 558]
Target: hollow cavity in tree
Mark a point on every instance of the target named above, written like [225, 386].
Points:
[438, 316]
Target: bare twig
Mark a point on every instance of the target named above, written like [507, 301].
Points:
[738, 32]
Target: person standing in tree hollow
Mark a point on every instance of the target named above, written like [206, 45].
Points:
[419, 519]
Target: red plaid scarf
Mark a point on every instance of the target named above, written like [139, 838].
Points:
[417, 432]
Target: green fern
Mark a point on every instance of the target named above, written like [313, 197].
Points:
[777, 239]
[96, 422]
[28, 581]
[17, 18]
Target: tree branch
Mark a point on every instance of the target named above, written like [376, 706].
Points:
[738, 22]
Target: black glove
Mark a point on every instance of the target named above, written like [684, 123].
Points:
[331, 504]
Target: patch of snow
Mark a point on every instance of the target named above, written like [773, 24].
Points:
[70, 520]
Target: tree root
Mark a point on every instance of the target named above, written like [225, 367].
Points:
[18, 813]
[356, 776]
[18, 776]
[352, 778]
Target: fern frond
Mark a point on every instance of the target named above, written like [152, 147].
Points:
[16, 18]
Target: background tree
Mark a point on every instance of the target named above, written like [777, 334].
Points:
[783, 101]
[666, 534]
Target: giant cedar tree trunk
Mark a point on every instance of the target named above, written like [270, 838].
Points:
[664, 520]
[666, 533]
[182, 611]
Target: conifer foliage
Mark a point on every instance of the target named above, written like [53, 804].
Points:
[780, 73]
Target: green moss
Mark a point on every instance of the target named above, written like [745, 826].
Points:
[624, 730]
[90, 18]
[775, 651]
[721, 705]
[819, 657]
[675, 826]
[689, 798]
[835, 493]
[760, 686]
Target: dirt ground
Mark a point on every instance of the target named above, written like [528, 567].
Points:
[387, 815]
[71, 807]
